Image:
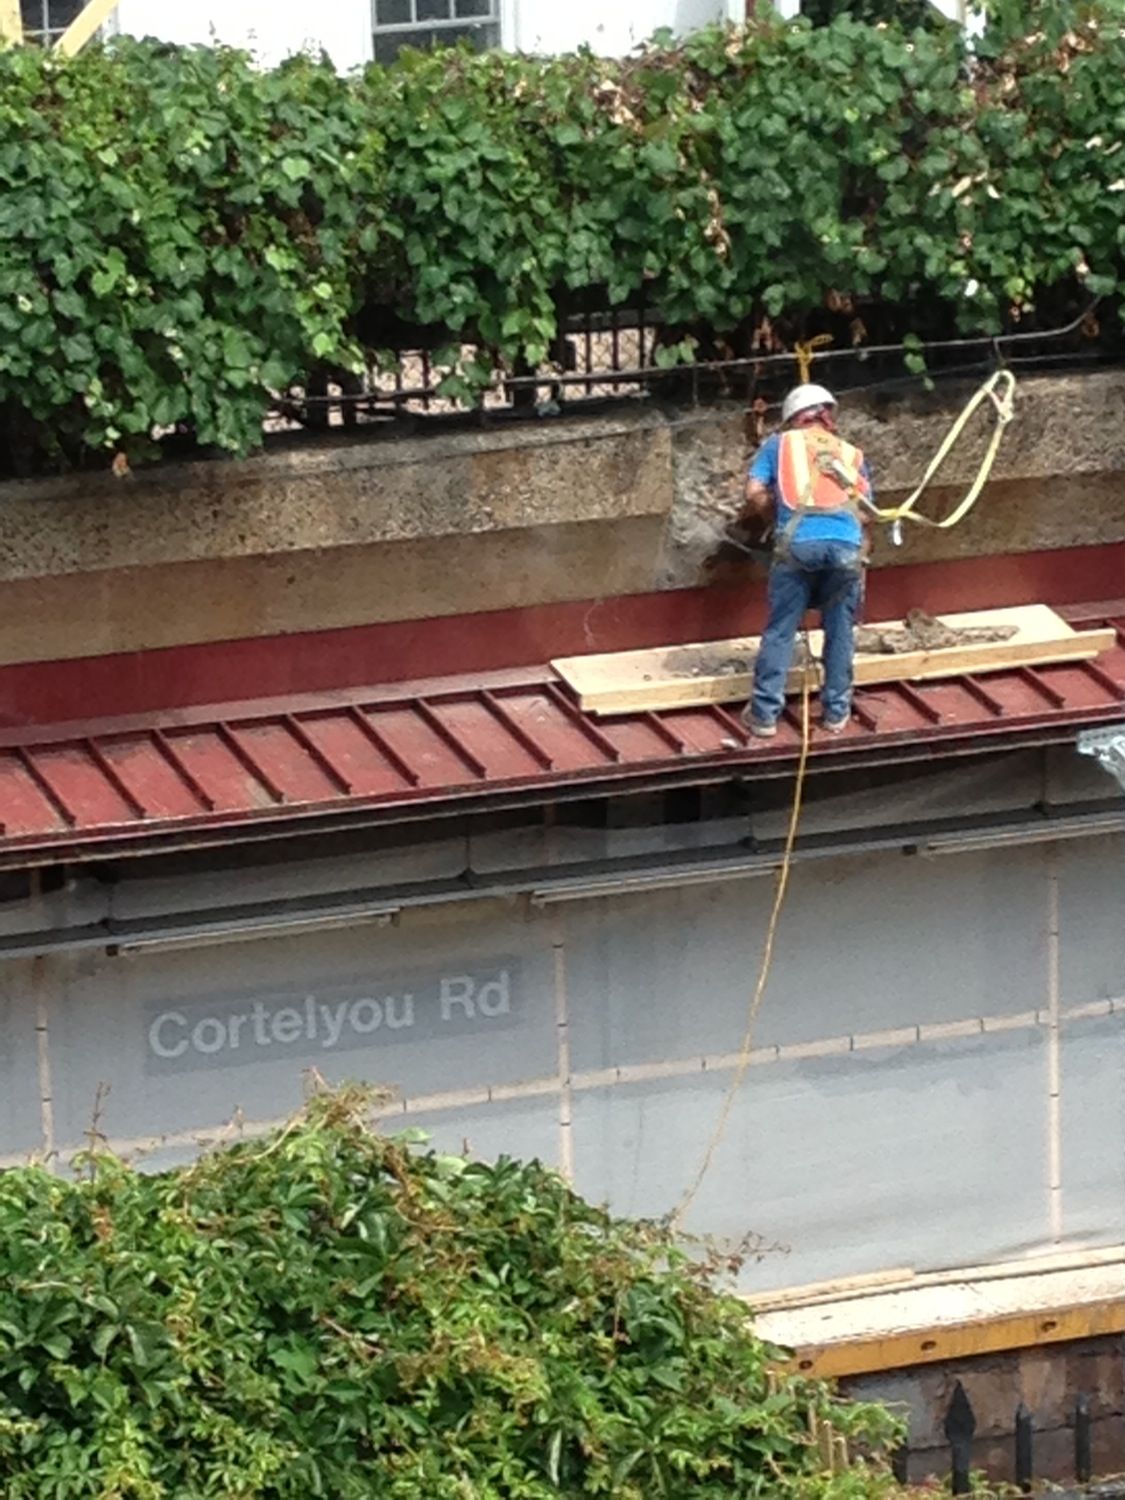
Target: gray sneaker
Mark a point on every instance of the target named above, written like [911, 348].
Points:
[836, 726]
[760, 728]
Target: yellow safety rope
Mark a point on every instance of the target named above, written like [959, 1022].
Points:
[1004, 405]
[766, 965]
[903, 512]
[803, 353]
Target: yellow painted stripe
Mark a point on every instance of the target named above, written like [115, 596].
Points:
[866, 1356]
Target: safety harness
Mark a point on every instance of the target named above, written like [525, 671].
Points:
[817, 472]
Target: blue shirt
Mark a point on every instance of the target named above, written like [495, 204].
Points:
[817, 526]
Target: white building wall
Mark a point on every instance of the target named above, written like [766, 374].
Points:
[271, 29]
[545, 26]
[343, 27]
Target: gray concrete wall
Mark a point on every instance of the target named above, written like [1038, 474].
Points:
[899, 1109]
[353, 531]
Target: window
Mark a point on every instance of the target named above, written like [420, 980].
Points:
[44, 21]
[430, 23]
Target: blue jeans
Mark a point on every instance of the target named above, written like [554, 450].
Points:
[826, 576]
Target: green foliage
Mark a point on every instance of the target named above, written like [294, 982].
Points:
[181, 235]
[330, 1313]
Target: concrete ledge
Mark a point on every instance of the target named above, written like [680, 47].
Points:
[355, 531]
[904, 1320]
[340, 492]
[640, 460]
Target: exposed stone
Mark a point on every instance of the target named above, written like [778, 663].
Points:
[1056, 482]
[708, 481]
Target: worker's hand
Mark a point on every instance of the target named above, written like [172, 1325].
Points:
[757, 500]
[754, 530]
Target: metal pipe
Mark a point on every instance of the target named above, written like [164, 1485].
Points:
[562, 1032]
[1054, 1050]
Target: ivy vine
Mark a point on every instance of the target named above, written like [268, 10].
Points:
[183, 236]
[329, 1313]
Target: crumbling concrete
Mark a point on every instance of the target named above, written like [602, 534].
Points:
[1059, 479]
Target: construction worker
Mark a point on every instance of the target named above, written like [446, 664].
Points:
[811, 486]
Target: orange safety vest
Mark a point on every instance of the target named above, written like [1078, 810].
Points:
[816, 470]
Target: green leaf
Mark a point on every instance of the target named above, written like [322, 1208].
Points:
[103, 1338]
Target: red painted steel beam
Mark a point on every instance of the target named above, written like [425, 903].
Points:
[139, 682]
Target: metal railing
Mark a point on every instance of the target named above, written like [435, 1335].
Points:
[615, 355]
[960, 1429]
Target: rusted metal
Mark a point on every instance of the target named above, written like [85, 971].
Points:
[443, 731]
[1036, 680]
[919, 702]
[664, 731]
[516, 729]
[986, 699]
[731, 723]
[115, 779]
[43, 782]
[584, 724]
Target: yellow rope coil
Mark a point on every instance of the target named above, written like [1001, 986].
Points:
[1000, 390]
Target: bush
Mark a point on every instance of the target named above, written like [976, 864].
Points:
[180, 234]
[330, 1313]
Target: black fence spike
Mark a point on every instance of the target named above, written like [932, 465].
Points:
[1025, 1468]
[900, 1464]
[960, 1425]
[1083, 1454]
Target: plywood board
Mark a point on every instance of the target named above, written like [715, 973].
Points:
[722, 671]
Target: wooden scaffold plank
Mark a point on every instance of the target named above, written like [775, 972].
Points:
[706, 672]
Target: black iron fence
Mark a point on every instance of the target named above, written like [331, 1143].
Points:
[620, 353]
[960, 1431]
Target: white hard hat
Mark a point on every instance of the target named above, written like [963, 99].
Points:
[804, 398]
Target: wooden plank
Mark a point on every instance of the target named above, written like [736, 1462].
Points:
[996, 1335]
[92, 16]
[722, 671]
[11, 22]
